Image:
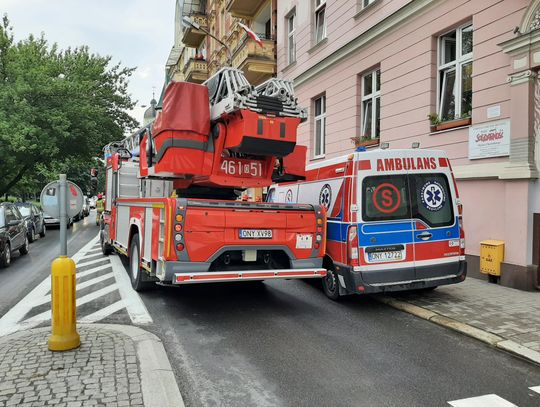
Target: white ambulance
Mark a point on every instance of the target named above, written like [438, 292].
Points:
[394, 220]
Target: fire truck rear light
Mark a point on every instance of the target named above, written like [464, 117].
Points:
[316, 246]
[178, 238]
[179, 218]
[179, 247]
[319, 229]
[319, 221]
[319, 238]
[178, 227]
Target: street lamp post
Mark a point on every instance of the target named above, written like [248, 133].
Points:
[197, 26]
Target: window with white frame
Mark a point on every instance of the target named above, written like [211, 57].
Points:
[320, 20]
[291, 43]
[320, 126]
[371, 105]
[455, 73]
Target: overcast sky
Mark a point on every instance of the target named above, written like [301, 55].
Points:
[137, 33]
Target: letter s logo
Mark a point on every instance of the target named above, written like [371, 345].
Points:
[387, 200]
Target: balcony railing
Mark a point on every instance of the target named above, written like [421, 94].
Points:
[192, 37]
[244, 8]
[196, 70]
[258, 63]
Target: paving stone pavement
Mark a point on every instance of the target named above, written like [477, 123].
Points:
[509, 313]
[104, 371]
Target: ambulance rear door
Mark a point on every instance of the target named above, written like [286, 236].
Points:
[386, 241]
[434, 215]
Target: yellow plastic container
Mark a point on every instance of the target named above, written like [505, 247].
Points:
[491, 256]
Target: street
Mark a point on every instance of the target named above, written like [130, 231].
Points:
[282, 343]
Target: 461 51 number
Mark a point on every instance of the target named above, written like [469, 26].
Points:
[241, 168]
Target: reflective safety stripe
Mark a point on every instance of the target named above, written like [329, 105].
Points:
[190, 278]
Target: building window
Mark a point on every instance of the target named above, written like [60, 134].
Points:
[371, 105]
[291, 43]
[320, 20]
[455, 74]
[366, 3]
[320, 126]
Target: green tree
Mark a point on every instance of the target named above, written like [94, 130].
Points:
[58, 108]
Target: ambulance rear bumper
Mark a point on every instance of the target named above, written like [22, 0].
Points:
[432, 276]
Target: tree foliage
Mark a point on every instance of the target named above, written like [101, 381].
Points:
[58, 108]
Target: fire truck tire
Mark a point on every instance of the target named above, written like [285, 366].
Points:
[106, 248]
[330, 285]
[135, 272]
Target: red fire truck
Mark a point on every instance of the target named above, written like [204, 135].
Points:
[172, 188]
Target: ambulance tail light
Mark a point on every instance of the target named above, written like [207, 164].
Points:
[352, 246]
[461, 230]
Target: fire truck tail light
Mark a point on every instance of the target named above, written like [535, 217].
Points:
[178, 237]
[319, 238]
[179, 218]
[319, 221]
[179, 247]
[316, 246]
[178, 227]
[319, 229]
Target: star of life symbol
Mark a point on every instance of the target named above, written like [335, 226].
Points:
[433, 196]
[325, 197]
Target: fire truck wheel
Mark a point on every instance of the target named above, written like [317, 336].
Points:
[330, 285]
[135, 272]
[106, 248]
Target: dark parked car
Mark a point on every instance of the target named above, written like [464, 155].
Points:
[34, 219]
[13, 233]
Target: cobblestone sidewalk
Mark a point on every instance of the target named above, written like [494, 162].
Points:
[104, 371]
[508, 313]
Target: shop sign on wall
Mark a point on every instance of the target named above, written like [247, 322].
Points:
[489, 140]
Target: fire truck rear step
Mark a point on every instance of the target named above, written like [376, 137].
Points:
[247, 275]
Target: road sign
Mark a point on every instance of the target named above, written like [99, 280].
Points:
[50, 199]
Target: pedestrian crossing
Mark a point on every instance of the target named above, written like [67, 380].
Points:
[104, 293]
[489, 400]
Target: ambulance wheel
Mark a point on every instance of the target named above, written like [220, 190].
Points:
[135, 272]
[330, 285]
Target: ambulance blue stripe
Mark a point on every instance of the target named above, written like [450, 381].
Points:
[385, 227]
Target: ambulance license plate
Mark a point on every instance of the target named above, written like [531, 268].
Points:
[380, 257]
[255, 234]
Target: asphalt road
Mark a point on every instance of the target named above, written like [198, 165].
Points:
[285, 344]
[27, 271]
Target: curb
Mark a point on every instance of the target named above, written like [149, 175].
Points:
[158, 384]
[491, 339]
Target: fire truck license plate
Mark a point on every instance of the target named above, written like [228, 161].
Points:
[255, 234]
[304, 241]
[385, 256]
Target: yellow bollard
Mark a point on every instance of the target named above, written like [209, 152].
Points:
[64, 314]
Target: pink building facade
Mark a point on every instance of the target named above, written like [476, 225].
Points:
[372, 71]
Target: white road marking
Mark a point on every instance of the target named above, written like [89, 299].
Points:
[535, 389]
[95, 281]
[103, 313]
[489, 400]
[88, 256]
[92, 271]
[87, 263]
[134, 305]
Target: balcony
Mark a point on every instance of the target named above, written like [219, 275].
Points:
[192, 37]
[244, 8]
[257, 63]
[196, 70]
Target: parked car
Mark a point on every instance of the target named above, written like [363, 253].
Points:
[93, 202]
[33, 217]
[13, 233]
[50, 221]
